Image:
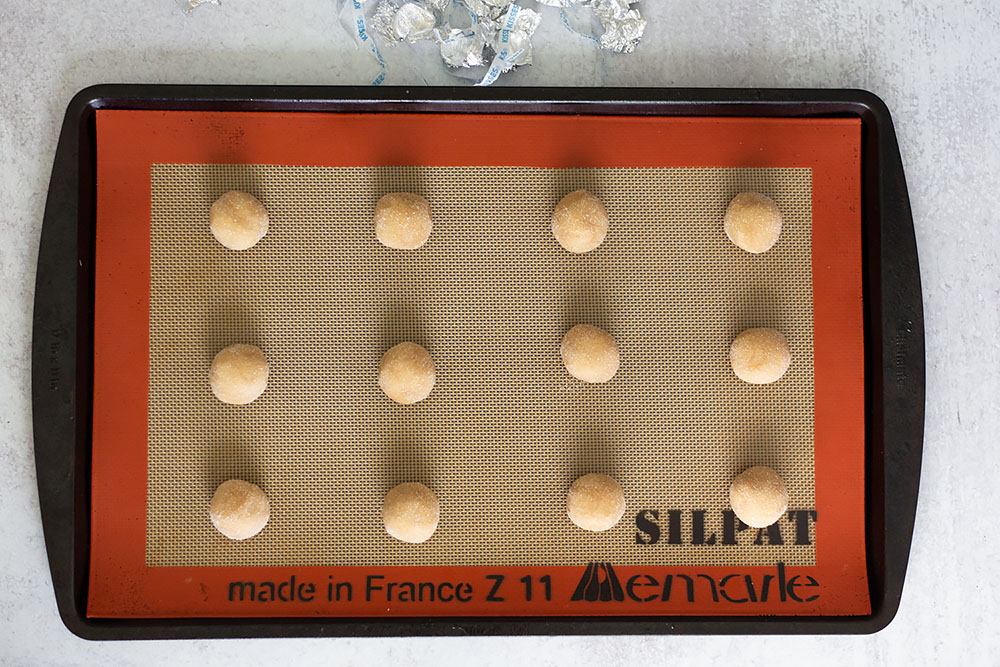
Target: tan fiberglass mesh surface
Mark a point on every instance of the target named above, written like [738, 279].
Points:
[506, 429]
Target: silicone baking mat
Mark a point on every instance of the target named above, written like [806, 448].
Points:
[506, 429]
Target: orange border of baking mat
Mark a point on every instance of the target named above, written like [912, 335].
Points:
[128, 142]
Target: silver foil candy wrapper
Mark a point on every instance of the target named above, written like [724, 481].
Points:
[411, 22]
[188, 6]
[518, 39]
[623, 26]
[494, 33]
[462, 48]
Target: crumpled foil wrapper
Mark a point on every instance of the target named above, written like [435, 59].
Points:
[462, 48]
[493, 33]
[188, 6]
[623, 26]
[411, 22]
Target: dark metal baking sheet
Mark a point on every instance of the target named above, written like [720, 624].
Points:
[63, 328]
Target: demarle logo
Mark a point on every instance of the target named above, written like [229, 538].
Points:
[599, 583]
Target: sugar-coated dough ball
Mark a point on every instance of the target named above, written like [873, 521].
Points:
[760, 356]
[580, 222]
[411, 512]
[403, 220]
[238, 220]
[758, 496]
[238, 374]
[595, 502]
[590, 354]
[406, 373]
[239, 509]
[753, 221]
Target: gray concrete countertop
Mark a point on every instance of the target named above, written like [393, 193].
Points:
[935, 63]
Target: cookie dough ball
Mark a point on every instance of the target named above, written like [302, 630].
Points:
[760, 356]
[238, 374]
[239, 509]
[758, 496]
[411, 512]
[580, 222]
[753, 221]
[406, 373]
[403, 221]
[590, 354]
[595, 502]
[238, 220]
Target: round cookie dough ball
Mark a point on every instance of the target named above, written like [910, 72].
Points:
[580, 222]
[753, 221]
[411, 512]
[238, 220]
[595, 502]
[590, 354]
[239, 509]
[238, 374]
[758, 496]
[406, 373]
[760, 356]
[403, 220]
